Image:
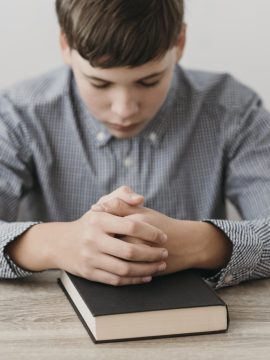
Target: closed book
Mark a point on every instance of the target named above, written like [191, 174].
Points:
[171, 305]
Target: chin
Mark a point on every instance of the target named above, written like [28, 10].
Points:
[120, 135]
[125, 135]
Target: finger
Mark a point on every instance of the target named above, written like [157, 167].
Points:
[126, 194]
[126, 226]
[132, 240]
[116, 280]
[131, 252]
[127, 268]
[116, 207]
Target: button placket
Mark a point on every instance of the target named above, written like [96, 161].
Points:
[128, 162]
[100, 136]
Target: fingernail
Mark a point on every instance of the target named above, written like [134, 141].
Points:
[162, 267]
[164, 238]
[164, 254]
[147, 279]
[97, 207]
[135, 197]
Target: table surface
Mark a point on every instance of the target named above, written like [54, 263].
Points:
[38, 322]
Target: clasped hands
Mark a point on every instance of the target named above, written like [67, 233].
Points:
[177, 246]
[120, 242]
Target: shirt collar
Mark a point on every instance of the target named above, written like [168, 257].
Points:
[152, 133]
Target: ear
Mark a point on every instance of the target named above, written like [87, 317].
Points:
[65, 49]
[181, 41]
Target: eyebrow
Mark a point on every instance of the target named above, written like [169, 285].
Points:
[144, 78]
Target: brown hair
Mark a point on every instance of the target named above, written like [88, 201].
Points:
[112, 33]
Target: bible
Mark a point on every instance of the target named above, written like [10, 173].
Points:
[171, 305]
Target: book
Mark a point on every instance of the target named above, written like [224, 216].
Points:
[171, 305]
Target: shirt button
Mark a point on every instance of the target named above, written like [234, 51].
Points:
[228, 278]
[128, 162]
[100, 136]
[153, 137]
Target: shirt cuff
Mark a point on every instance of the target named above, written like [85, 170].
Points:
[8, 233]
[246, 253]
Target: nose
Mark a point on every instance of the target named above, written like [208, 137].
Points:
[124, 105]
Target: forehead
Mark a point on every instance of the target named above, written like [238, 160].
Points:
[120, 73]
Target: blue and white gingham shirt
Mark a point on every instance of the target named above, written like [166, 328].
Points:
[209, 141]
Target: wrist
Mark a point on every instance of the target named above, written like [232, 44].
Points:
[186, 246]
[217, 247]
[199, 245]
[36, 249]
[23, 250]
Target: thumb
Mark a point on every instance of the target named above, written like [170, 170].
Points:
[124, 193]
[116, 207]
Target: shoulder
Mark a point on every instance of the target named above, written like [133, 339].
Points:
[27, 104]
[41, 90]
[217, 90]
[220, 105]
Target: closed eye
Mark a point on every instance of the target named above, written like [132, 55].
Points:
[152, 84]
[107, 85]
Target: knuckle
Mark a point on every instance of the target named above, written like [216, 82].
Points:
[84, 237]
[94, 219]
[102, 199]
[154, 234]
[116, 202]
[83, 254]
[116, 280]
[112, 204]
[88, 239]
[86, 271]
[134, 217]
[130, 252]
[136, 281]
[124, 270]
[85, 243]
[132, 226]
[140, 217]
[125, 188]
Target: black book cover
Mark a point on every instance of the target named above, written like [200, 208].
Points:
[185, 289]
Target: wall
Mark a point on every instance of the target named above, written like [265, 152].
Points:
[28, 38]
[231, 36]
[223, 35]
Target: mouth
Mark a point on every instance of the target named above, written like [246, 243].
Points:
[123, 128]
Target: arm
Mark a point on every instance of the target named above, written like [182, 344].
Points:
[234, 250]
[247, 185]
[191, 244]
[88, 248]
[250, 256]
[15, 179]
[206, 246]
[36, 248]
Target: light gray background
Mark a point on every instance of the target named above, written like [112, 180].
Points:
[223, 35]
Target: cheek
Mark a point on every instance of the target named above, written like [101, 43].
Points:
[156, 98]
[94, 101]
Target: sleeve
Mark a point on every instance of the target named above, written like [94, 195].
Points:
[16, 178]
[247, 186]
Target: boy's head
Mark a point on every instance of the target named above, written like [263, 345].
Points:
[122, 53]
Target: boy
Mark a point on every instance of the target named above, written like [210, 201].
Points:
[123, 112]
